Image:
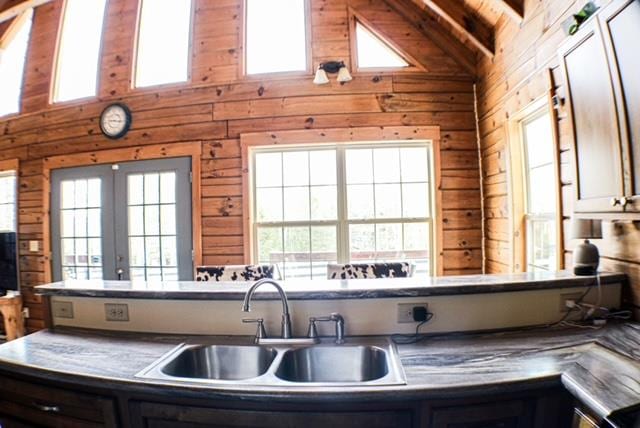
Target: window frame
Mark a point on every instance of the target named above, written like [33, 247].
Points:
[134, 62]
[338, 136]
[309, 70]
[56, 60]
[521, 219]
[6, 39]
[12, 167]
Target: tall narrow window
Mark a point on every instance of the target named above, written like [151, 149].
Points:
[341, 204]
[13, 52]
[276, 36]
[373, 52]
[79, 50]
[163, 42]
[8, 201]
[534, 190]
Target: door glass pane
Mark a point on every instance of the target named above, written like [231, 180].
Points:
[81, 228]
[153, 250]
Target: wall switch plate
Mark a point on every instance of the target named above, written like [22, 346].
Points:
[116, 312]
[62, 309]
[34, 246]
[568, 296]
[405, 311]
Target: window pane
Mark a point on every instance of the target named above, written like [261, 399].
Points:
[324, 247]
[324, 203]
[542, 187]
[541, 245]
[268, 169]
[362, 241]
[78, 54]
[163, 42]
[414, 164]
[373, 52]
[359, 166]
[136, 189]
[296, 203]
[415, 200]
[539, 141]
[270, 246]
[12, 63]
[269, 205]
[297, 248]
[389, 241]
[360, 201]
[295, 168]
[386, 164]
[388, 201]
[276, 36]
[323, 167]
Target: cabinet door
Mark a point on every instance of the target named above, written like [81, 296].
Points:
[507, 414]
[621, 28]
[592, 107]
[169, 416]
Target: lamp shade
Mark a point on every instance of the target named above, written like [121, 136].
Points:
[321, 77]
[344, 75]
[586, 229]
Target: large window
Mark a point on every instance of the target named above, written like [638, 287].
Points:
[341, 204]
[164, 39]
[276, 36]
[535, 190]
[79, 50]
[13, 52]
[8, 201]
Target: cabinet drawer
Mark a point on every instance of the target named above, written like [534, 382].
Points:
[507, 414]
[154, 415]
[43, 405]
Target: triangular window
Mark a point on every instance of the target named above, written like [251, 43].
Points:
[373, 52]
[13, 51]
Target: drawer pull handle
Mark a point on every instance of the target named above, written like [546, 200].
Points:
[47, 408]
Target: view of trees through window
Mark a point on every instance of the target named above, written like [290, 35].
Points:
[342, 204]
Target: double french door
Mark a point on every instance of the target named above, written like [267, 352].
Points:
[125, 221]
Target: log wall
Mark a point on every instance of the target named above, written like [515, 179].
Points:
[219, 104]
[513, 79]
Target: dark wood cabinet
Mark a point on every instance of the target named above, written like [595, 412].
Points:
[601, 68]
[30, 404]
[507, 414]
[171, 416]
[621, 29]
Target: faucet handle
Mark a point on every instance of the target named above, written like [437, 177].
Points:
[261, 333]
[312, 333]
[335, 317]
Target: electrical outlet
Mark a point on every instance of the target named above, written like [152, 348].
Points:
[568, 296]
[62, 309]
[26, 313]
[405, 311]
[116, 312]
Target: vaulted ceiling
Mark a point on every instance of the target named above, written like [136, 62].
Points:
[470, 22]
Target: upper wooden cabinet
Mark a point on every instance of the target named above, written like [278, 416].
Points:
[601, 65]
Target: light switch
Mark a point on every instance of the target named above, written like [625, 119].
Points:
[34, 246]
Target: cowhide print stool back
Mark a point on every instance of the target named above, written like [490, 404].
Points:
[237, 273]
[370, 270]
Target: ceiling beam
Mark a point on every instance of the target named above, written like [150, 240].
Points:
[18, 9]
[431, 28]
[514, 9]
[462, 20]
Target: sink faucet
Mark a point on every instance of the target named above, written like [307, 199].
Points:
[286, 319]
[335, 317]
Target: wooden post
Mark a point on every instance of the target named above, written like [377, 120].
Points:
[11, 309]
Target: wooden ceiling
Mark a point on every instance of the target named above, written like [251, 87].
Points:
[470, 22]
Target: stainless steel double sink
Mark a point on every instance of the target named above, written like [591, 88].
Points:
[358, 362]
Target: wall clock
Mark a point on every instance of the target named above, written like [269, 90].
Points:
[115, 121]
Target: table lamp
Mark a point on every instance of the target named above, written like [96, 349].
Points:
[586, 256]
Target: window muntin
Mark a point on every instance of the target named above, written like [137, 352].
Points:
[8, 201]
[13, 55]
[343, 203]
[276, 36]
[164, 39]
[374, 52]
[541, 190]
[79, 50]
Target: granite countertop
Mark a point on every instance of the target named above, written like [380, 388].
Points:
[328, 289]
[599, 367]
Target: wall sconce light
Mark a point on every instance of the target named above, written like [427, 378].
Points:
[332, 67]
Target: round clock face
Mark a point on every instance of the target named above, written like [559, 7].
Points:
[115, 121]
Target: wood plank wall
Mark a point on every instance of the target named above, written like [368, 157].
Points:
[513, 79]
[219, 104]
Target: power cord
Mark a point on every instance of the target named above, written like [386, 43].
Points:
[408, 339]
